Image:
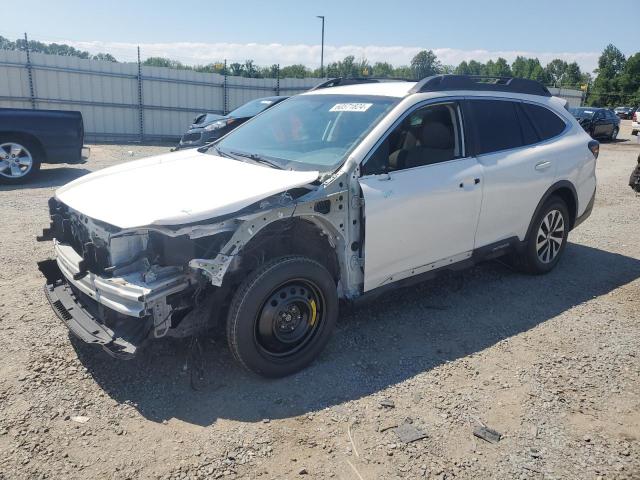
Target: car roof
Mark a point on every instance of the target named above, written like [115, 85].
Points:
[397, 89]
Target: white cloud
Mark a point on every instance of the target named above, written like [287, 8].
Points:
[266, 54]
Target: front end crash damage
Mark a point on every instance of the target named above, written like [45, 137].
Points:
[121, 287]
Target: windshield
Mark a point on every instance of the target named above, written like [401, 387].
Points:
[308, 132]
[207, 118]
[251, 109]
[582, 112]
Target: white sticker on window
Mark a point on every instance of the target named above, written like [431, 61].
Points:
[350, 107]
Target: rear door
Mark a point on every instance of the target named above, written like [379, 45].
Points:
[513, 145]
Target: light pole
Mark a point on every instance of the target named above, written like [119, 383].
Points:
[322, 47]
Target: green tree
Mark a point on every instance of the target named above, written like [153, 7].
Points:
[164, 62]
[6, 44]
[294, 71]
[556, 71]
[611, 63]
[404, 71]
[629, 80]
[573, 76]
[105, 57]
[520, 67]
[382, 69]
[463, 69]
[605, 90]
[424, 64]
[236, 69]
[499, 68]
[250, 70]
[476, 68]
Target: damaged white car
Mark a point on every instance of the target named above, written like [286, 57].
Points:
[350, 188]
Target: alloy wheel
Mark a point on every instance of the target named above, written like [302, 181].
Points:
[550, 236]
[16, 160]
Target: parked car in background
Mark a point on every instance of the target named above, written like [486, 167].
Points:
[342, 191]
[29, 138]
[209, 126]
[625, 113]
[635, 123]
[597, 122]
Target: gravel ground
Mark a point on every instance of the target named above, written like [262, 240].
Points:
[551, 362]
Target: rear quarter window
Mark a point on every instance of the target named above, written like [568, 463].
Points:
[547, 123]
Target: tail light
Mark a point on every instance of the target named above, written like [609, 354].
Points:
[594, 146]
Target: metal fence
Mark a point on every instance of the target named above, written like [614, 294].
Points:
[128, 101]
[133, 102]
[572, 96]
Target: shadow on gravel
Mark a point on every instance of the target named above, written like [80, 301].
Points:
[377, 345]
[50, 177]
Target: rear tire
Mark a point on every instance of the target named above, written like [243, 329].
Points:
[282, 316]
[19, 160]
[547, 238]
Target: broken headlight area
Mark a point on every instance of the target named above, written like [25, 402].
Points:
[118, 288]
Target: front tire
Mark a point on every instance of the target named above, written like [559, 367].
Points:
[282, 316]
[19, 160]
[547, 238]
[614, 135]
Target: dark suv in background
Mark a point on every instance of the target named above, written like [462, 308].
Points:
[598, 122]
[209, 126]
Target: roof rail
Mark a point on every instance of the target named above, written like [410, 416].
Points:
[480, 83]
[341, 81]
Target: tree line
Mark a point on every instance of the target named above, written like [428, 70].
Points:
[617, 78]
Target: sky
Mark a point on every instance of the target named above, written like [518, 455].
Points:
[287, 31]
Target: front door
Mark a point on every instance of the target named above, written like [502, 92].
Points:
[422, 197]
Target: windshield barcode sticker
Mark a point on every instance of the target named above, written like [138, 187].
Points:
[351, 107]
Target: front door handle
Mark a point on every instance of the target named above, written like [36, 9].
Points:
[543, 165]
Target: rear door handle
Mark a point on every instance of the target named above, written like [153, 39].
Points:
[543, 165]
[469, 181]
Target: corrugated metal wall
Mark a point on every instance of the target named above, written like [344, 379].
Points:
[573, 97]
[107, 93]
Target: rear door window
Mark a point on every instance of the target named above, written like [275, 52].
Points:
[496, 125]
[529, 132]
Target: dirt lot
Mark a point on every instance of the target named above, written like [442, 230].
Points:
[551, 362]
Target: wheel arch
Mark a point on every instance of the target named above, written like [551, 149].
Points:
[296, 235]
[567, 192]
[25, 137]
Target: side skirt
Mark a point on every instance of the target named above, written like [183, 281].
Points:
[488, 252]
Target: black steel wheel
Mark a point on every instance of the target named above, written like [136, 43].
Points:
[282, 316]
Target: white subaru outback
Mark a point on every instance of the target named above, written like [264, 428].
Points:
[353, 187]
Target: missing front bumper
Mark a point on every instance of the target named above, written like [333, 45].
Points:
[121, 338]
